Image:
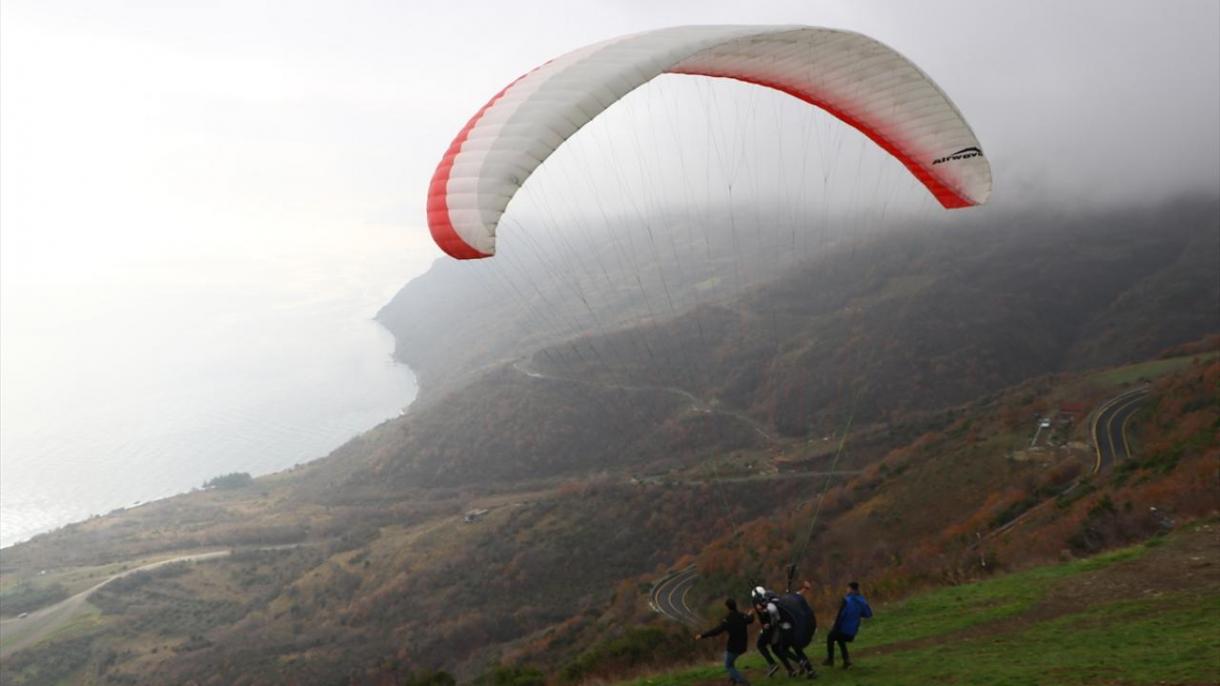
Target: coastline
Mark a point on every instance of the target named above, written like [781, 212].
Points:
[323, 444]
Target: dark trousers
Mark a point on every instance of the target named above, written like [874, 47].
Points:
[799, 655]
[842, 639]
[764, 647]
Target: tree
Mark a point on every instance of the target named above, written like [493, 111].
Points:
[228, 482]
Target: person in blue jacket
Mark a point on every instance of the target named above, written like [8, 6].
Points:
[847, 623]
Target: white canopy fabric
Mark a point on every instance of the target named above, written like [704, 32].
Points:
[862, 82]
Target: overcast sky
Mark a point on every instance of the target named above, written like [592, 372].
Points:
[144, 131]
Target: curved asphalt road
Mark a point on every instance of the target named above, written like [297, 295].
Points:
[1110, 428]
[1109, 440]
[18, 633]
[668, 596]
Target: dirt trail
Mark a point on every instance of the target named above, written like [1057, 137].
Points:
[696, 403]
[18, 633]
[22, 632]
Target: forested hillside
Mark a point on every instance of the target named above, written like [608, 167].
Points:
[1067, 283]
[885, 331]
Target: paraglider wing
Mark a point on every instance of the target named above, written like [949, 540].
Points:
[796, 609]
[855, 78]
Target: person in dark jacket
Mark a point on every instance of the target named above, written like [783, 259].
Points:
[734, 624]
[797, 624]
[768, 636]
[847, 624]
[788, 626]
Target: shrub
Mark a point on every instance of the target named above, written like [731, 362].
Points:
[228, 482]
[645, 645]
[27, 597]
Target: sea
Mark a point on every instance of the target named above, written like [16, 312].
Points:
[145, 383]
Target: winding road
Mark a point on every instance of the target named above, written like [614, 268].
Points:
[668, 596]
[1110, 428]
[1109, 431]
[22, 632]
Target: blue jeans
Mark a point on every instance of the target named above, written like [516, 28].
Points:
[729, 659]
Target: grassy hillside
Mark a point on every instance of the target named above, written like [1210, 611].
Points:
[555, 576]
[998, 501]
[1138, 615]
[967, 501]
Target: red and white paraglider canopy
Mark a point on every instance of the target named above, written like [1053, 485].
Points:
[855, 78]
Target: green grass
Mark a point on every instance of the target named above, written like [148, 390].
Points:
[1147, 370]
[88, 620]
[960, 607]
[1167, 638]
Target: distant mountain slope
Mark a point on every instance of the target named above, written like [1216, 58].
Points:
[1162, 308]
[509, 426]
[1056, 290]
[935, 318]
[899, 327]
[550, 285]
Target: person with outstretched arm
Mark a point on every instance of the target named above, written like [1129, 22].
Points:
[847, 624]
[734, 624]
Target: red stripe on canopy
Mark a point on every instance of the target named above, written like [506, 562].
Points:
[947, 197]
[438, 202]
